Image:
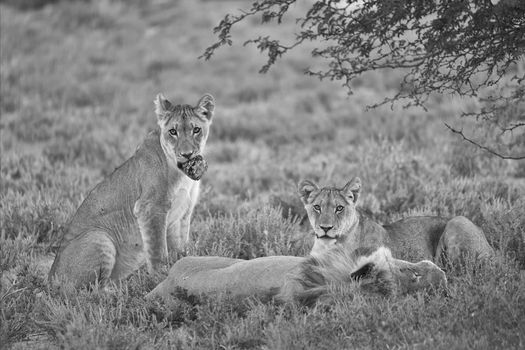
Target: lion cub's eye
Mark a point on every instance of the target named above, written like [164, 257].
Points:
[196, 130]
[172, 132]
[339, 208]
[317, 207]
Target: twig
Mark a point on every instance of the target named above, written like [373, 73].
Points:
[491, 151]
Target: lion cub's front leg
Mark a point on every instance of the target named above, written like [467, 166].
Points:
[151, 219]
[174, 237]
[178, 231]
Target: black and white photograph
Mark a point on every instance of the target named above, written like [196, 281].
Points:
[263, 174]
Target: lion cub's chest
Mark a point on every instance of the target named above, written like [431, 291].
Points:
[181, 197]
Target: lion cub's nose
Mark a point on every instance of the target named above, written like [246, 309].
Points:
[326, 228]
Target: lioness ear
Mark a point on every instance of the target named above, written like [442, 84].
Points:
[162, 105]
[363, 272]
[353, 188]
[207, 105]
[305, 188]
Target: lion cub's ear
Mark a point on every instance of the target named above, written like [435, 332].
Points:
[207, 106]
[162, 106]
[352, 188]
[305, 188]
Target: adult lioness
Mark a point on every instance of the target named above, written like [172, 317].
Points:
[336, 221]
[145, 205]
[291, 278]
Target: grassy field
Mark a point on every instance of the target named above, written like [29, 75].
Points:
[77, 83]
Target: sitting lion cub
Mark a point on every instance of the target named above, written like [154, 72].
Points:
[144, 207]
[336, 221]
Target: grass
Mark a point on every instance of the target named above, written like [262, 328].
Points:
[77, 83]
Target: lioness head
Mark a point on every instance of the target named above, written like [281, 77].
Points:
[331, 211]
[183, 128]
[420, 275]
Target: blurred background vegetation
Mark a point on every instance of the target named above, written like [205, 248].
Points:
[78, 80]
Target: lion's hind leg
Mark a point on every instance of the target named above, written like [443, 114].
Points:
[462, 239]
[86, 260]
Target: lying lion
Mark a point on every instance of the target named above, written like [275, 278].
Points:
[336, 221]
[301, 279]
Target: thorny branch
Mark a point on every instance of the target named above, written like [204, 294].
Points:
[491, 151]
[448, 47]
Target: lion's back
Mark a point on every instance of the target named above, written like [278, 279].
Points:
[416, 237]
[109, 205]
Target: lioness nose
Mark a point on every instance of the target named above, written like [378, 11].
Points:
[326, 228]
[186, 155]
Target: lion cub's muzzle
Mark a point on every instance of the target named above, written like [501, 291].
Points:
[186, 155]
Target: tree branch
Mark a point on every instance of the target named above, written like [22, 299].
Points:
[455, 47]
[491, 151]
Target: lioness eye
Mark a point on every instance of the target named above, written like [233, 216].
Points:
[173, 132]
[317, 207]
[196, 130]
[339, 208]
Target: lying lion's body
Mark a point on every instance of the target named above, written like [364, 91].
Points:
[413, 237]
[214, 274]
[136, 213]
[290, 278]
[336, 221]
